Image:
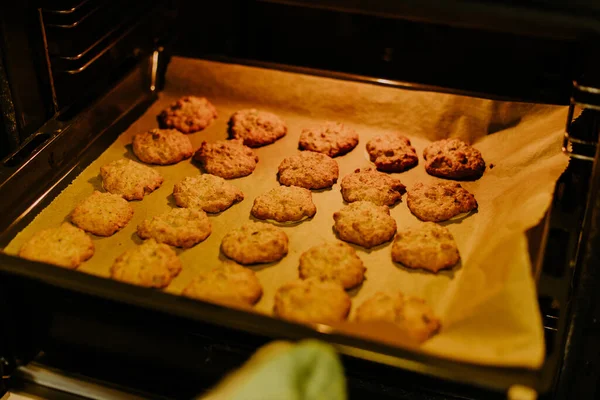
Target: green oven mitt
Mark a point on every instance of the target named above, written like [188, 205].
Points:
[308, 370]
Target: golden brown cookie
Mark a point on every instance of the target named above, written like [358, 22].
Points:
[284, 204]
[365, 224]
[227, 158]
[179, 227]
[65, 246]
[255, 242]
[333, 261]
[256, 128]
[162, 146]
[210, 193]
[102, 214]
[330, 138]
[227, 284]
[312, 300]
[309, 170]
[439, 201]
[189, 114]
[453, 159]
[130, 179]
[429, 246]
[392, 153]
[150, 264]
[370, 185]
[411, 314]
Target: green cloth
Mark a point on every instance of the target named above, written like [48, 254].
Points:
[308, 370]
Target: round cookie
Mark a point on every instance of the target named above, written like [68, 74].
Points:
[365, 224]
[284, 204]
[373, 186]
[150, 264]
[392, 153]
[66, 246]
[333, 261]
[330, 138]
[130, 179]
[162, 146]
[312, 300]
[189, 114]
[453, 159]
[228, 284]
[254, 243]
[256, 128]
[309, 170]
[411, 314]
[102, 214]
[439, 201]
[207, 192]
[429, 246]
[179, 227]
[227, 158]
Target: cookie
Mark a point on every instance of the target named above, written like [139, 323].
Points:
[256, 128]
[333, 261]
[130, 179]
[392, 153]
[309, 170]
[66, 246]
[227, 158]
[228, 284]
[102, 214]
[284, 204]
[373, 186]
[453, 159]
[312, 300]
[365, 224]
[189, 114]
[150, 264]
[429, 246]
[330, 138]
[162, 146]
[439, 201]
[179, 227]
[411, 314]
[255, 242]
[207, 192]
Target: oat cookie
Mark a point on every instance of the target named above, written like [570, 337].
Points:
[373, 186]
[256, 128]
[229, 284]
[330, 138]
[309, 170]
[189, 114]
[130, 179]
[162, 146]
[392, 153]
[453, 159]
[365, 224]
[439, 201]
[227, 158]
[312, 300]
[102, 214]
[429, 246]
[284, 204]
[150, 264]
[255, 242]
[179, 227]
[207, 192]
[411, 314]
[333, 261]
[66, 246]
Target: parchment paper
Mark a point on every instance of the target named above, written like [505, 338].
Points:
[488, 304]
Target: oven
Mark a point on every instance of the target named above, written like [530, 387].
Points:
[75, 75]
